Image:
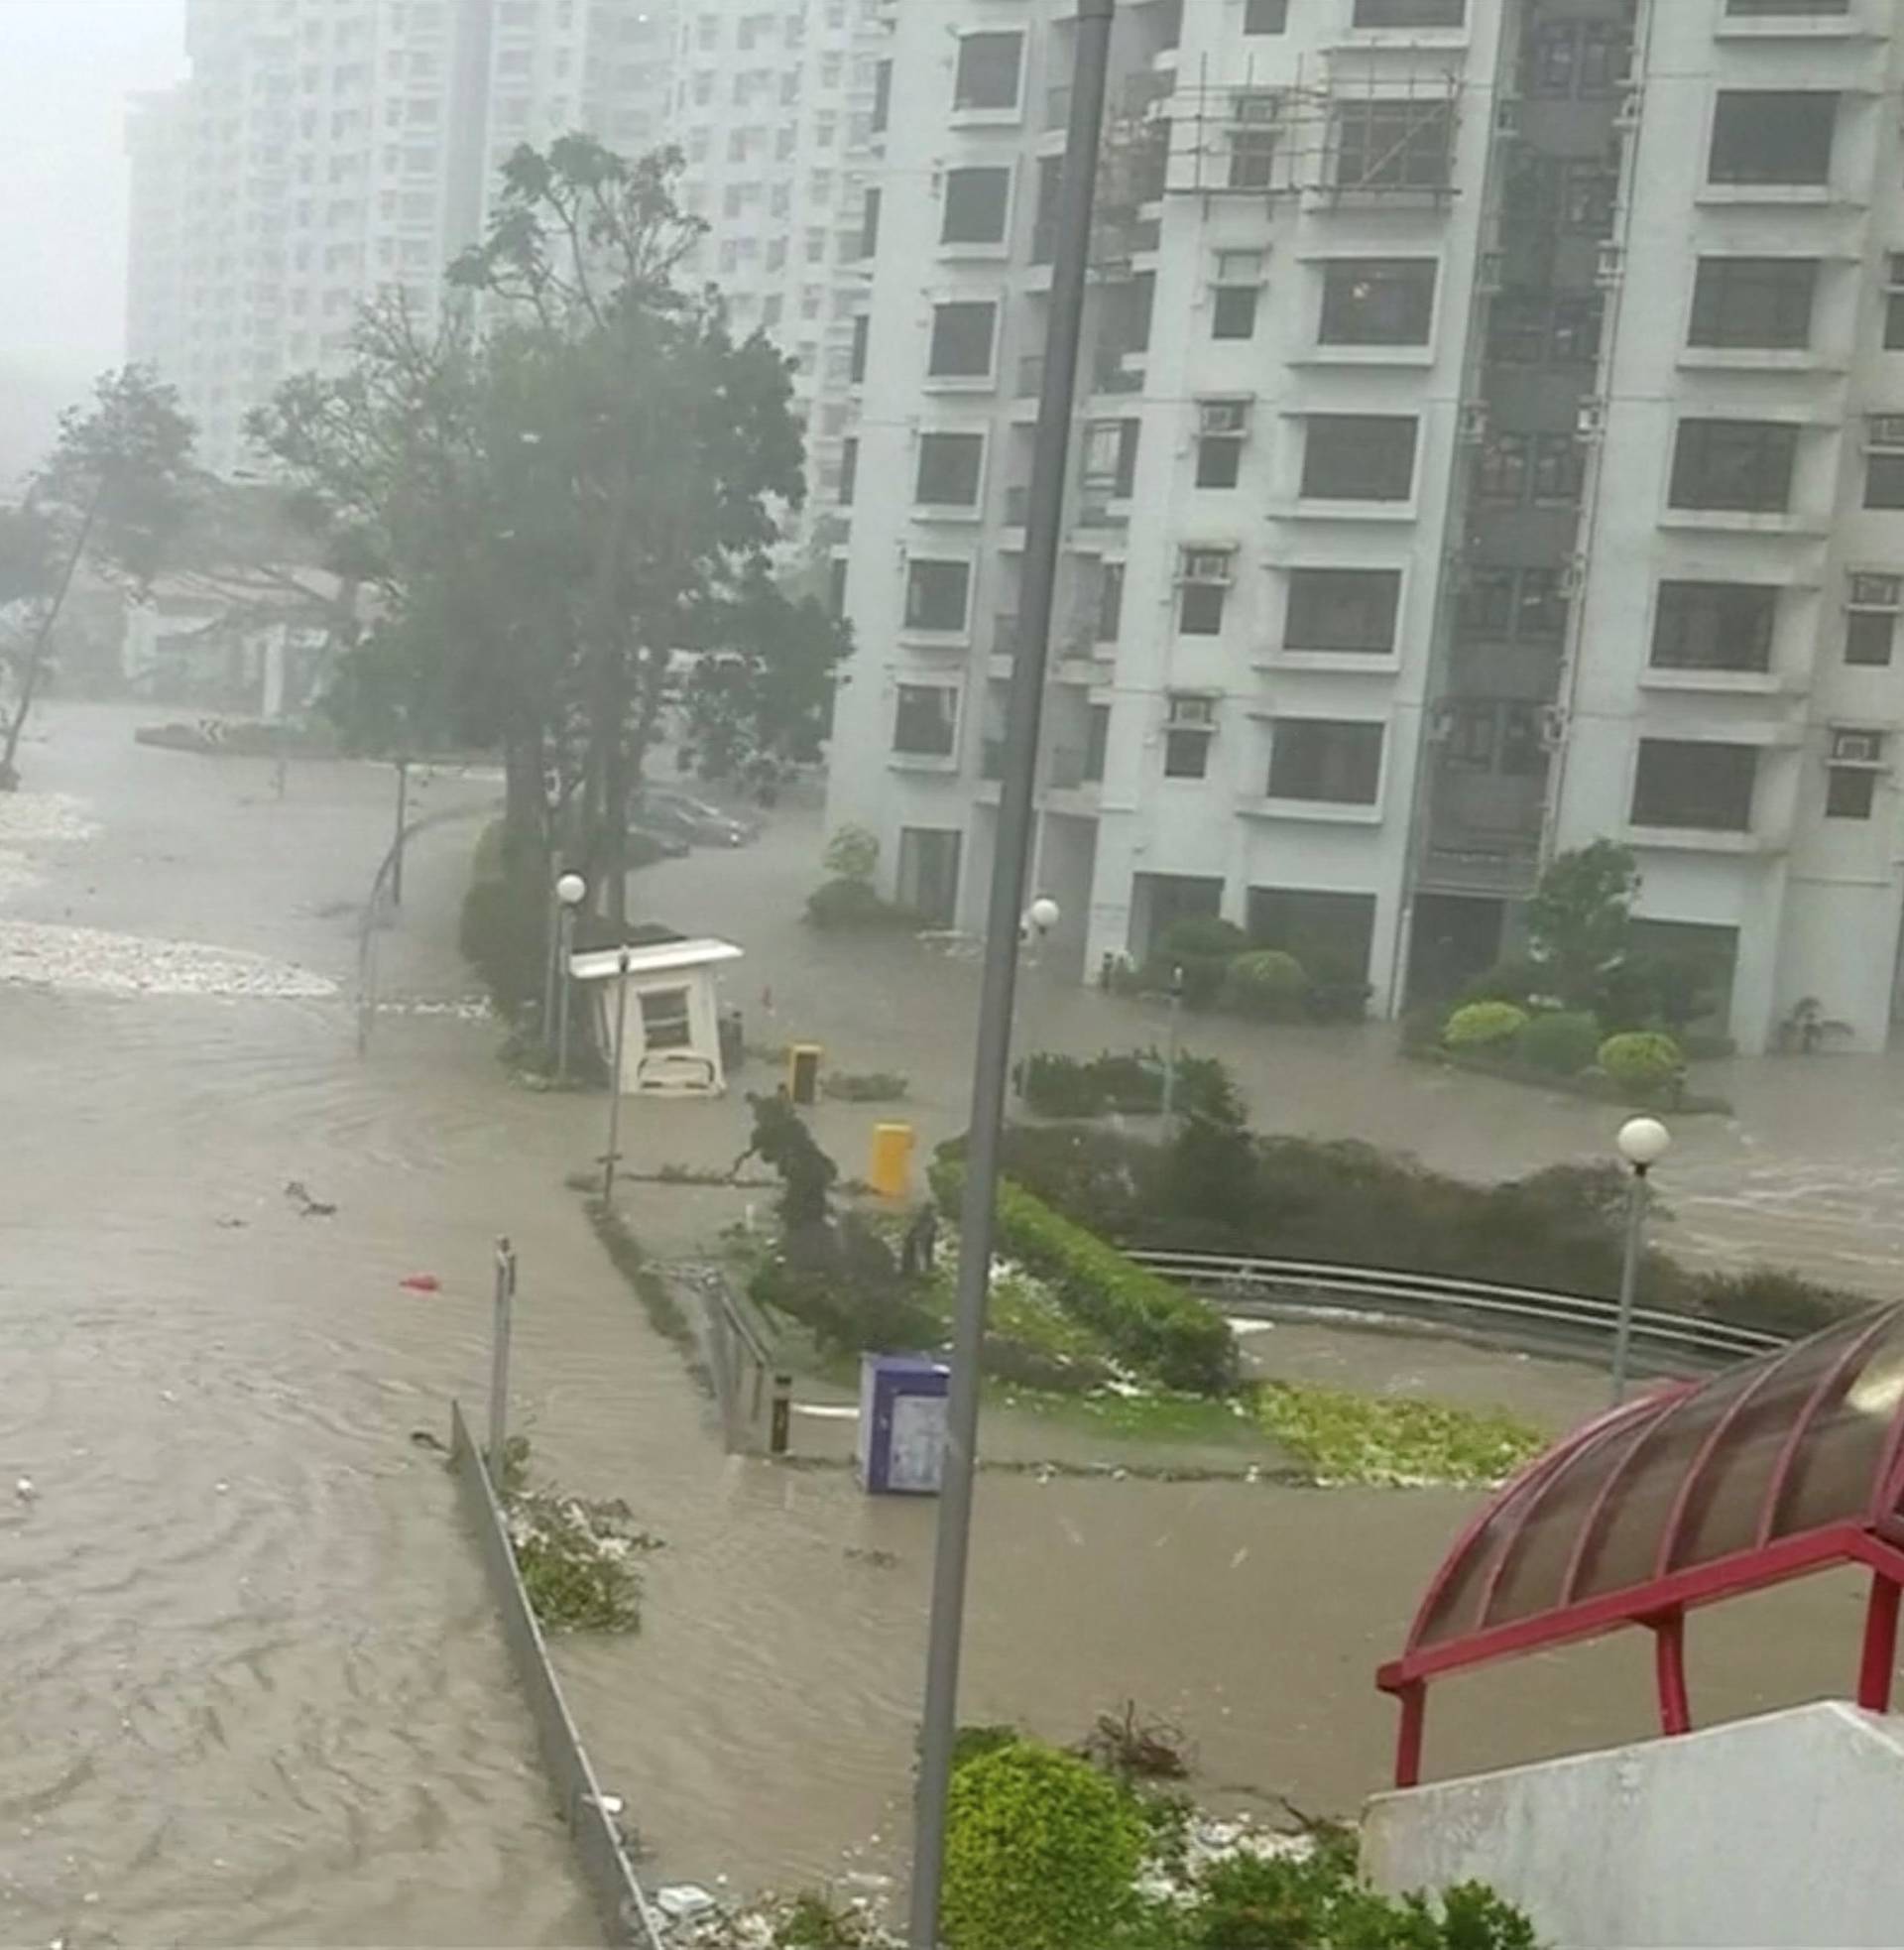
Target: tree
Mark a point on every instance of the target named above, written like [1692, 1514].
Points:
[1579, 920]
[116, 490]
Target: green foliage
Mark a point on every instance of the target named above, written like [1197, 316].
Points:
[1203, 934]
[1484, 1025]
[1643, 1062]
[1338, 988]
[1160, 1330]
[812, 1921]
[864, 1087]
[973, 1742]
[781, 1140]
[848, 1309]
[853, 853]
[1265, 984]
[1040, 1853]
[1211, 1169]
[1202, 948]
[1563, 1041]
[1514, 980]
[1359, 1438]
[502, 931]
[574, 1585]
[1125, 1082]
[1579, 919]
[849, 904]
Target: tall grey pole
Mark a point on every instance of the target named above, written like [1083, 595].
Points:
[1171, 1047]
[498, 1364]
[1628, 1281]
[403, 815]
[555, 962]
[992, 1056]
[564, 989]
[614, 1079]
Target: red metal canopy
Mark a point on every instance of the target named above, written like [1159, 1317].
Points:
[1701, 1490]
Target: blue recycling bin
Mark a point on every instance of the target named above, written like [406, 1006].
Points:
[902, 1448]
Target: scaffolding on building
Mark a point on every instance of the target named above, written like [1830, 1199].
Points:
[1321, 137]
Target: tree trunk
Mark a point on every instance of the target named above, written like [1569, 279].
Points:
[37, 652]
[524, 835]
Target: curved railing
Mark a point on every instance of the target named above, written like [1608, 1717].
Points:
[1248, 1285]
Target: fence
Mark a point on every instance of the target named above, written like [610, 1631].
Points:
[1246, 1284]
[742, 1352]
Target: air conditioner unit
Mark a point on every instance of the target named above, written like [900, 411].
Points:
[1884, 431]
[1590, 421]
[1474, 422]
[1222, 415]
[1258, 111]
[1212, 566]
[1573, 578]
[1631, 105]
[1191, 712]
[1873, 591]
[1553, 727]
[1857, 748]
[1612, 267]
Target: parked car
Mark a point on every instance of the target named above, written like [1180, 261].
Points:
[662, 811]
[666, 845]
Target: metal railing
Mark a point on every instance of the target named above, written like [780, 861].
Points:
[1248, 1285]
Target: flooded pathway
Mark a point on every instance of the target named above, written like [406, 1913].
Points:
[254, 1693]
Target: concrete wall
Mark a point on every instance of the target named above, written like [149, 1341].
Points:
[1776, 1831]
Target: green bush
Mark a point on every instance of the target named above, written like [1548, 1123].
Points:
[1339, 987]
[502, 928]
[864, 1087]
[1767, 1297]
[1266, 984]
[853, 853]
[1562, 1040]
[1494, 1026]
[1642, 1060]
[851, 903]
[1513, 979]
[1040, 1853]
[1202, 934]
[1201, 946]
[1158, 1329]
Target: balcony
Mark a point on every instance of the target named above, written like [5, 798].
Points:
[1018, 506]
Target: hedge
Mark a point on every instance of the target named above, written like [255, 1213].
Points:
[1157, 1328]
[1561, 1041]
[1484, 1026]
[1643, 1060]
[1267, 984]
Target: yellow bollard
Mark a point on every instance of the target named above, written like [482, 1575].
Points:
[891, 1171]
[803, 1071]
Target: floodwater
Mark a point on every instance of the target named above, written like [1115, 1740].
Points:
[253, 1690]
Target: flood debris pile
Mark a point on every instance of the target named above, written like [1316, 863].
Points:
[1048, 1848]
[579, 1556]
[1392, 1441]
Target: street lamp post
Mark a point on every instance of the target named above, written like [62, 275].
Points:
[403, 819]
[564, 898]
[1171, 1047]
[1011, 858]
[1643, 1142]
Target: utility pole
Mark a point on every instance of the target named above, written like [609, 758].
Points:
[402, 815]
[993, 1055]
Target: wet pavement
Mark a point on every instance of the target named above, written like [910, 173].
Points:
[254, 1692]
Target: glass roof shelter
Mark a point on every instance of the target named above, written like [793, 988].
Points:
[1698, 1492]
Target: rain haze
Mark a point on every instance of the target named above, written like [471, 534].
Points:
[921, 856]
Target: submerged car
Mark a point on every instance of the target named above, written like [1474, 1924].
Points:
[665, 812]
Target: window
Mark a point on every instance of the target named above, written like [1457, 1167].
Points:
[950, 466]
[976, 204]
[1378, 300]
[1761, 302]
[1772, 136]
[1097, 737]
[1238, 287]
[882, 98]
[1687, 783]
[1187, 732]
[1393, 144]
[1870, 620]
[1884, 460]
[1266, 16]
[1410, 13]
[1204, 586]
[870, 223]
[1714, 626]
[962, 333]
[925, 721]
[1736, 465]
[1348, 610]
[1775, 9]
[849, 470]
[1894, 304]
[987, 72]
[1512, 605]
[1109, 613]
[664, 1023]
[1353, 457]
[1334, 760]
[1108, 463]
[1223, 424]
[1253, 142]
[1850, 784]
[936, 594]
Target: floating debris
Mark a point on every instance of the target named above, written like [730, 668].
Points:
[306, 1206]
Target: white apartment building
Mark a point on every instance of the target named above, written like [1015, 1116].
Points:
[1488, 442]
[324, 150]
[779, 111]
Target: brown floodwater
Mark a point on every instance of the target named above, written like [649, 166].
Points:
[253, 1691]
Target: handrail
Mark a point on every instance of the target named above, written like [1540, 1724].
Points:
[1247, 1280]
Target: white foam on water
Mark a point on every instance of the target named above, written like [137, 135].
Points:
[89, 960]
[36, 819]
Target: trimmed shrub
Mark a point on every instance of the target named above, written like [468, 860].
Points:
[1266, 984]
[1159, 1329]
[1563, 1041]
[1203, 946]
[1338, 988]
[853, 853]
[1513, 980]
[864, 1087]
[1040, 1852]
[1484, 1025]
[846, 903]
[1202, 934]
[501, 932]
[1643, 1060]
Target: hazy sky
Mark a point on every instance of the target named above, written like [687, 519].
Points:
[67, 67]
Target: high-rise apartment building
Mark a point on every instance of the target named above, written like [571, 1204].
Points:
[779, 111]
[1491, 439]
[326, 150]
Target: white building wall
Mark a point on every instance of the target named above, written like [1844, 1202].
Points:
[1816, 900]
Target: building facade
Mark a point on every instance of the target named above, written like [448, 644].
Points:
[323, 151]
[1434, 506]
